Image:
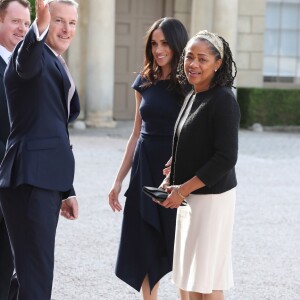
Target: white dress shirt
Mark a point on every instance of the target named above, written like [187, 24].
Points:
[5, 54]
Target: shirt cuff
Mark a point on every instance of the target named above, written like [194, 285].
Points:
[70, 197]
[36, 31]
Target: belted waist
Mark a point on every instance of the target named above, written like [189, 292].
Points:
[157, 129]
[151, 137]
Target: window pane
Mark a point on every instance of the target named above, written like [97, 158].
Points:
[289, 16]
[288, 43]
[273, 16]
[298, 17]
[287, 1]
[270, 66]
[298, 69]
[282, 39]
[287, 66]
[271, 42]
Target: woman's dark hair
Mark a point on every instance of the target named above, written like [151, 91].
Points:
[177, 37]
[224, 76]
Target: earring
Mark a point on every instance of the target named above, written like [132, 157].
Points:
[216, 70]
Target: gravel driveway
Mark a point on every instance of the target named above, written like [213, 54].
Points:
[266, 246]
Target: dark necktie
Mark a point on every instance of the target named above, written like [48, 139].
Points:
[72, 87]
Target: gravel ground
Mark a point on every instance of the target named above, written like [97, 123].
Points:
[266, 245]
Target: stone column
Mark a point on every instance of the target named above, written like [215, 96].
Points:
[226, 24]
[100, 63]
[201, 16]
[76, 56]
[226, 21]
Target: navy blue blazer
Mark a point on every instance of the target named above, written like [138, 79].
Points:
[38, 149]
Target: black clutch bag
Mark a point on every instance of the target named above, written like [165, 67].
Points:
[156, 193]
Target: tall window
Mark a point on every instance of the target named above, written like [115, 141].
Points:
[282, 41]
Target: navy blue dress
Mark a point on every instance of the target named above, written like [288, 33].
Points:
[148, 230]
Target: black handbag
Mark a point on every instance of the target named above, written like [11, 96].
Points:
[156, 193]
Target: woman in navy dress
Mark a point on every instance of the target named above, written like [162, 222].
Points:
[148, 230]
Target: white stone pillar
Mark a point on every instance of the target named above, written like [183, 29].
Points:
[226, 21]
[75, 56]
[201, 16]
[100, 63]
[226, 24]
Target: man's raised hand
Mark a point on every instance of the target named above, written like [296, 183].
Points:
[42, 15]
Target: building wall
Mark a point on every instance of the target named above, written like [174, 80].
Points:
[133, 19]
[250, 43]
[91, 61]
[182, 12]
[240, 22]
[77, 54]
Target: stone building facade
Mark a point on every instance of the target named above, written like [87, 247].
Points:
[108, 50]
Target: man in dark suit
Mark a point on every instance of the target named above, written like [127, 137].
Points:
[36, 174]
[14, 23]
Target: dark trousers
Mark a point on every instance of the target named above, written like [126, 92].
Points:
[6, 260]
[31, 216]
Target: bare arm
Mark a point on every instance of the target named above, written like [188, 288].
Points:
[126, 164]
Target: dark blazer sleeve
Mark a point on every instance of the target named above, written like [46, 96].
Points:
[28, 62]
[68, 194]
[225, 126]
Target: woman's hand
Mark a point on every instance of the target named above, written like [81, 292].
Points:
[167, 169]
[166, 172]
[113, 197]
[174, 200]
[166, 182]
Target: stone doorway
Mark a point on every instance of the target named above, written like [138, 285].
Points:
[133, 18]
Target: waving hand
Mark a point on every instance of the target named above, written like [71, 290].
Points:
[42, 15]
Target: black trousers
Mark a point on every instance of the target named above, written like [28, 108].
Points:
[6, 260]
[31, 216]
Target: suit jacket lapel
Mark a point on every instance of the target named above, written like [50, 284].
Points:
[66, 81]
[2, 66]
[74, 105]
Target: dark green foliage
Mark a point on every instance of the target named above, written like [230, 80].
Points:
[32, 3]
[269, 107]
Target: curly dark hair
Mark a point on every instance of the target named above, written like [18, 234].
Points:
[226, 73]
[177, 38]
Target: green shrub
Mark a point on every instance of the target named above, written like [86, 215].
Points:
[32, 3]
[269, 107]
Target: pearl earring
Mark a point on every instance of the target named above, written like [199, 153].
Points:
[216, 70]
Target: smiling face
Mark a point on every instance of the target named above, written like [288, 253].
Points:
[200, 64]
[62, 26]
[14, 24]
[161, 51]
